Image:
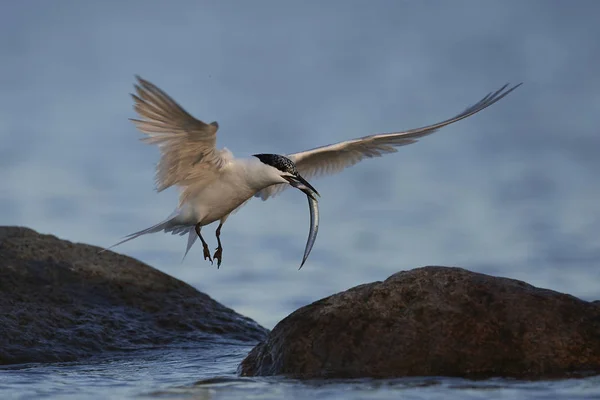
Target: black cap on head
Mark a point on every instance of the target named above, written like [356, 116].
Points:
[282, 163]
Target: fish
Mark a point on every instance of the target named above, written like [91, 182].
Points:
[313, 206]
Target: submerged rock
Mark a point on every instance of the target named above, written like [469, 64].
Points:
[434, 321]
[62, 301]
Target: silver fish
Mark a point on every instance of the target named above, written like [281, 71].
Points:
[313, 206]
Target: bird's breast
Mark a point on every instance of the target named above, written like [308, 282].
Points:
[221, 197]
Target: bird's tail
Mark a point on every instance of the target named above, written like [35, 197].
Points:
[169, 225]
[191, 240]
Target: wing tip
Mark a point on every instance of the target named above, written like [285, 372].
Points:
[139, 79]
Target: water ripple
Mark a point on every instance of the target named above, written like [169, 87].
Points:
[209, 372]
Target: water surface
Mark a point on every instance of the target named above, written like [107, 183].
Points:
[209, 372]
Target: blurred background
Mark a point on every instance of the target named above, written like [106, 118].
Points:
[512, 191]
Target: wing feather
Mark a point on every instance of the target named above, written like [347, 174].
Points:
[187, 145]
[334, 158]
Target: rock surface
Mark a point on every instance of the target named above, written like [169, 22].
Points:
[61, 301]
[434, 321]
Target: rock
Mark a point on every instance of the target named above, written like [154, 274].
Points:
[62, 301]
[434, 321]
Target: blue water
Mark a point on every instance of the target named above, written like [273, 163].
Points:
[209, 372]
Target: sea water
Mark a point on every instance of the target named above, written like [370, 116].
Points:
[209, 371]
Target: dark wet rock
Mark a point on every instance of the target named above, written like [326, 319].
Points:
[434, 321]
[61, 301]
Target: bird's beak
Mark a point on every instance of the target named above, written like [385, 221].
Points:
[300, 183]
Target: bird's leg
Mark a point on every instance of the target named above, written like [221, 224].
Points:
[219, 253]
[204, 245]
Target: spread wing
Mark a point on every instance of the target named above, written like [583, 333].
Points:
[334, 158]
[189, 158]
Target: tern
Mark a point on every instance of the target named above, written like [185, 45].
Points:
[213, 183]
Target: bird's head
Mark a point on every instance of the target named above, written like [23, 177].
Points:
[287, 170]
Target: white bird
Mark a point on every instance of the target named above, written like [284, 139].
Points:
[213, 183]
